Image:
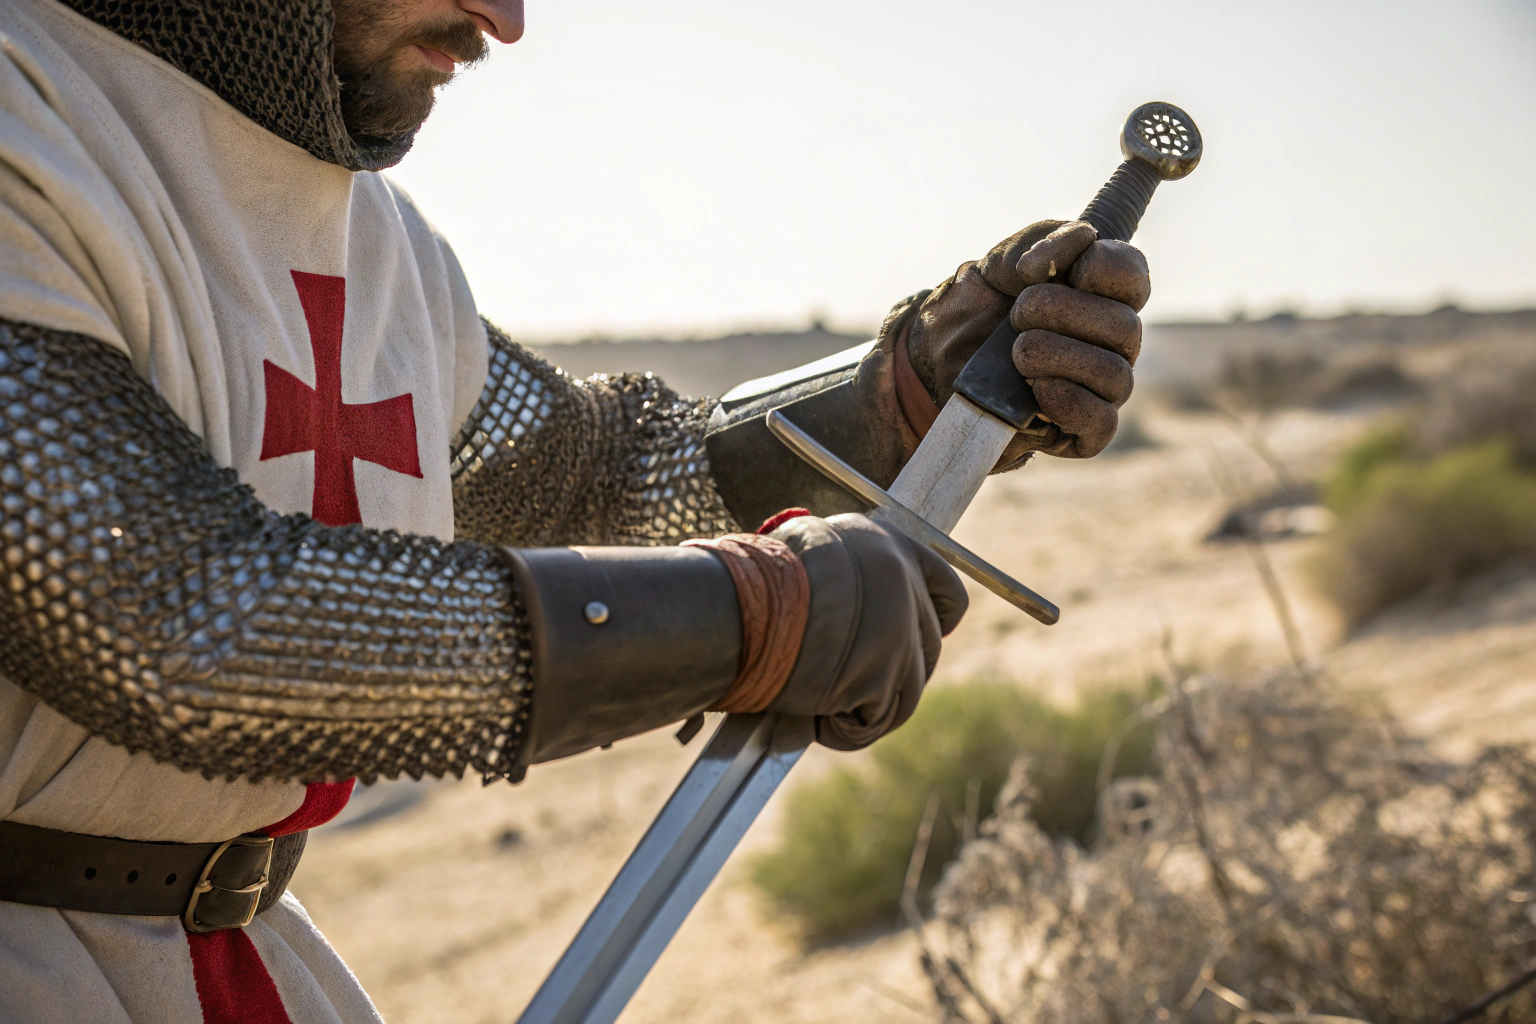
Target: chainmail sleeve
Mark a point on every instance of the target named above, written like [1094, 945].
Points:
[150, 597]
[545, 459]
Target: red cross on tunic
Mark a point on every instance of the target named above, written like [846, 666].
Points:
[301, 418]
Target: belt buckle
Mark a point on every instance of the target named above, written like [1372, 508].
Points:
[224, 906]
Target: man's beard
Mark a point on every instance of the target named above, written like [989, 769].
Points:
[384, 91]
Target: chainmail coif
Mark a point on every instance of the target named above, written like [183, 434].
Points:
[150, 597]
[270, 59]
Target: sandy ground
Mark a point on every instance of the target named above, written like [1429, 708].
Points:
[451, 900]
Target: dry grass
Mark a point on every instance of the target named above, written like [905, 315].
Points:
[1299, 857]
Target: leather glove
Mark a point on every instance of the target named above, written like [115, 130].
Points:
[1074, 300]
[879, 602]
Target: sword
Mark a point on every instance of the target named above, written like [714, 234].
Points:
[749, 755]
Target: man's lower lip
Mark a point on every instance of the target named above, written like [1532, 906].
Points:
[437, 58]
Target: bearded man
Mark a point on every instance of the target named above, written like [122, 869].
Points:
[279, 511]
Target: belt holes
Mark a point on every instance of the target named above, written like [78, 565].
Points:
[133, 876]
[90, 873]
[170, 879]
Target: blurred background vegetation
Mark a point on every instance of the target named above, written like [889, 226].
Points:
[849, 834]
[1442, 492]
[1410, 523]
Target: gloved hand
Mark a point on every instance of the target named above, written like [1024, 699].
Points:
[879, 602]
[836, 619]
[1074, 300]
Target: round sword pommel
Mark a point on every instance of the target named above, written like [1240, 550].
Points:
[1164, 136]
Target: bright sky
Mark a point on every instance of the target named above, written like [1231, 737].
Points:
[685, 166]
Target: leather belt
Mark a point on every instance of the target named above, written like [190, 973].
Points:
[210, 886]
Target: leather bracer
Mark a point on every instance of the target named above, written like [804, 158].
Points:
[624, 640]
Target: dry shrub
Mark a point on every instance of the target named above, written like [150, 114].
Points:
[1373, 377]
[1297, 856]
[1406, 526]
[1487, 397]
[1434, 501]
[842, 858]
[1263, 380]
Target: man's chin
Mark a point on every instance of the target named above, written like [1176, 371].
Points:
[386, 114]
[390, 65]
[391, 103]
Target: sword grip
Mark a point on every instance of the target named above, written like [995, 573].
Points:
[990, 381]
[1116, 211]
[989, 378]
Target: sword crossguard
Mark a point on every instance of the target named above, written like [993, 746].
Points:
[897, 515]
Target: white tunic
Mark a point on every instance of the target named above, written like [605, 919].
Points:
[139, 208]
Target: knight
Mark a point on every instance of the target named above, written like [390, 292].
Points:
[280, 511]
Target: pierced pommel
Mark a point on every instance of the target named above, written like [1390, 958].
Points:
[1160, 143]
[1165, 137]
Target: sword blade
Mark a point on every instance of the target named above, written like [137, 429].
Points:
[949, 467]
[680, 854]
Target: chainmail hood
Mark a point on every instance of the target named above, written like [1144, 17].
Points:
[270, 59]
